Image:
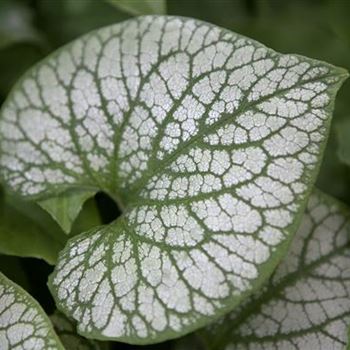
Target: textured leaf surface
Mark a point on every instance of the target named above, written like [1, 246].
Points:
[23, 324]
[208, 140]
[306, 304]
[66, 207]
[66, 330]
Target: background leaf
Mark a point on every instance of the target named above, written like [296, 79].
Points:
[65, 208]
[65, 20]
[27, 231]
[21, 234]
[21, 44]
[16, 24]
[343, 129]
[141, 7]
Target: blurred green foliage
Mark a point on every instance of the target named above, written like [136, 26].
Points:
[31, 29]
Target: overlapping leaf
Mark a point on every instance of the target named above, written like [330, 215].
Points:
[208, 140]
[28, 231]
[66, 330]
[306, 304]
[141, 7]
[65, 208]
[23, 324]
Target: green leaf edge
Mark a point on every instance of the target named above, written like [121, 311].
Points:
[40, 226]
[34, 304]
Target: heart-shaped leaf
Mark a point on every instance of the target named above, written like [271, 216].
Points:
[209, 142]
[306, 304]
[23, 323]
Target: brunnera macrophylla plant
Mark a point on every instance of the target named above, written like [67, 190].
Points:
[208, 141]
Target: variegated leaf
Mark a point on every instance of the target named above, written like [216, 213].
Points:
[66, 330]
[210, 143]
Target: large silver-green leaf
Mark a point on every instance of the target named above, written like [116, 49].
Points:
[209, 141]
[16, 24]
[306, 304]
[23, 323]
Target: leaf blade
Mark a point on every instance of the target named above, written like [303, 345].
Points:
[300, 304]
[66, 331]
[65, 208]
[23, 322]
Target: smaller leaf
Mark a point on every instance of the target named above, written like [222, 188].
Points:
[23, 323]
[66, 330]
[306, 303]
[26, 231]
[65, 208]
[140, 7]
[89, 217]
